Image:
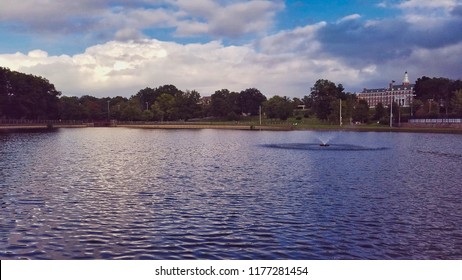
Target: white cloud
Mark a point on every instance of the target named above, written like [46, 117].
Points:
[197, 8]
[428, 4]
[226, 20]
[37, 54]
[286, 63]
[123, 68]
[123, 19]
[349, 17]
[298, 40]
[426, 14]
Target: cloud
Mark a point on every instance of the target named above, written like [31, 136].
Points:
[457, 11]
[232, 19]
[375, 42]
[50, 16]
[353, 50]
[111, 19]
[297, 41]
[123, 68]
[427, 4]
[350, 17]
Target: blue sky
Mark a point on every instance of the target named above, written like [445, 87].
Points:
[116, 47]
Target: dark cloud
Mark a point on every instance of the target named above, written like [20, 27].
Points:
[457, 11]
[364, 43]
[369, 43]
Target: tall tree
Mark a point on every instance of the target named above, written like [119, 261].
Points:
[278, 107]
[27, 96]
[361, 112]
[324, 93]
[380, 112]
[4, 84]
[349, 107]
[131, 111]
[435, 89]
[250, 101]
[188, 104]
[457, 103]
[147, 97]
[165, 108]
[70, 108]
[225, 104]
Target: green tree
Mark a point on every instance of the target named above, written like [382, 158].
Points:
[250, 101]
[435, 89]
[278, 107]
[147, 96]
[349, 107]
[92, 108]
[380, 112]
[324, 93]
[361, 112]
[117, 104]
[147, 115]
[4, 96]
[27, 96]
[225, 104]
[188, 104]
[416, 106]
[456, 102]
[349, 102]
[131, 111]
[70, 108]
[164, 108]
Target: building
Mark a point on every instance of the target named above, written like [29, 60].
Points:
[205, 100]
[402, 94]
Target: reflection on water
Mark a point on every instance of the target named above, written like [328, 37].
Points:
[113, 193]
[323, 147]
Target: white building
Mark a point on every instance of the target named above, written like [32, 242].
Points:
[401, 94]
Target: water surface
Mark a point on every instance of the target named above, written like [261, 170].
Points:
[115, 193]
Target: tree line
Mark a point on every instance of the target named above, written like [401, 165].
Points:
[438, 97]
[27, 96]
[433, 98]
[31, 97]
[24, 96]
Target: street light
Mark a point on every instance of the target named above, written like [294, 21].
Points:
[108, 109]
[391, 103]
[259, 108]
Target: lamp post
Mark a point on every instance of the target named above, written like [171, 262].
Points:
[259, 108]
[391, 103]
[108, 109]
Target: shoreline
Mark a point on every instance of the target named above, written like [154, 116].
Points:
[35, 127]
[209, 126]
[31, 127]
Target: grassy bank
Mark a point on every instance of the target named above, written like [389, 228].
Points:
[249, 124]
[35, 127]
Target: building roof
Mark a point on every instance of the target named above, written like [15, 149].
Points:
[395, 88]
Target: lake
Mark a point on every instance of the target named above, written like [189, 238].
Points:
[119, 193]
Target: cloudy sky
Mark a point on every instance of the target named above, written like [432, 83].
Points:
[117, 47]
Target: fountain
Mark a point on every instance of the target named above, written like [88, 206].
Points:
[326, 144]
[326, 137]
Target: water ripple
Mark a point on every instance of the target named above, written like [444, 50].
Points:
[206, 194]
